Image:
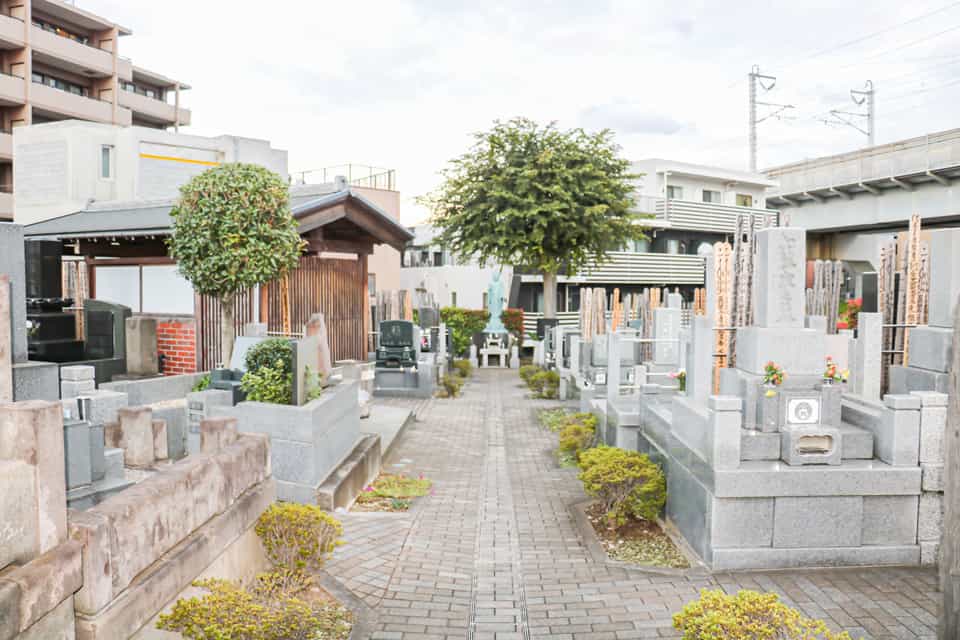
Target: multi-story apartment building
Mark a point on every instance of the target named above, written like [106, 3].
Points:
[690, 205]
[851, 204]
[60, 62]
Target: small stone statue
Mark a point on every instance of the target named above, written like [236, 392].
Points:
[495, 306]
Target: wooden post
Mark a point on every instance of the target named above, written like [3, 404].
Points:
[949, 628]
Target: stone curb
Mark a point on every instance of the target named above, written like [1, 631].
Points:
[599, 555]
[364, 618]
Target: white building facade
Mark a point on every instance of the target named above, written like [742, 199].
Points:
[452, 281]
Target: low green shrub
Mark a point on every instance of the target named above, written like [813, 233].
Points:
[545, 384]
[451, 386]
[463, 368]
[276, 353]
[202, 384]
[229, 612]
[748, 615]
[298, 537]
[627, 483]
[268, 384]
[575, 438]
[528, 371]
[554, 419]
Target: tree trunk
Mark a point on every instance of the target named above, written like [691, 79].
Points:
[226, 329]
[950, 542]
[549, 295]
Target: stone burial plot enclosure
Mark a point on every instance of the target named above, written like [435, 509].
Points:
[808, 472]
[107, 572]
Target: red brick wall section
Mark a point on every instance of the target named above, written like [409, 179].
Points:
[177, 344]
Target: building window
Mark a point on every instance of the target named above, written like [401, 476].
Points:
[424, 259]
[453, 298]
[372, 284]
[57, 83]
[438, 258]
[713, 197]
[744, 200]
[106, 162]
[674, 192]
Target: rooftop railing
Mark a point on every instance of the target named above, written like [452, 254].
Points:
[357, 175]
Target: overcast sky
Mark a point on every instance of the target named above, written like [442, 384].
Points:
[402, 84]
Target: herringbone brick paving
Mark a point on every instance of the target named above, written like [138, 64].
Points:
[495, 552]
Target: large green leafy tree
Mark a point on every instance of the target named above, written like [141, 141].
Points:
[537, 197]
[232, 230]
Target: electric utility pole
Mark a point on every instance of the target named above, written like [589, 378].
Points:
[767, 83]
[864, 122]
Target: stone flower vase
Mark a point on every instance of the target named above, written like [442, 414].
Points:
[769, 409]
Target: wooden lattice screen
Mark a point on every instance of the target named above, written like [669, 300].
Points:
[335, 287]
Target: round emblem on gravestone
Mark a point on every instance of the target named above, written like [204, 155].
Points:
[804, 410]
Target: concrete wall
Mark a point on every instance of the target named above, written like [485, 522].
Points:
[106, 572]
[385, 261]
[57, 165]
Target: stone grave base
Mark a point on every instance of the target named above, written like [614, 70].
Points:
[307, 443]
[767, 515]
[406, 383]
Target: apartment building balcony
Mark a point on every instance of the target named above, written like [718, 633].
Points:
[688, 215]
[70, 55]
[6, 147]
[6, 202]
[13, 90]
[637, 268]
[63, 104]
[11, 32]
[153, 110]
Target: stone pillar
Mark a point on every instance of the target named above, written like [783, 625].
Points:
[613, 366]
[317, 326]
[897, 439]
[575, 354]
[6, 341]
[700, 359]
[217, 433]
[865, 366]
[779, 278]
[142, 356]
[724, 422]
[666, 326]
[77, 380]
[33, 500]
[933, 422]
[442, 350]
[944, 277]
[134, 434]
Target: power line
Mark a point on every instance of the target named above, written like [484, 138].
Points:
[859, 39]
[903, 46]
[869, 35]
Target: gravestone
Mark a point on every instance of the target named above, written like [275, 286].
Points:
[142, 356]
[779, 277]
[306, 366]
[866, 364]
[12, 265]
[255, 329]
[317, 327]
[105, 324]
[666, 330]
[944, 276]
[241, 346]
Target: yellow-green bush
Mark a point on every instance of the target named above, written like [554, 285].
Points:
[527, 372]
[463, 368]
[627, 483]
[575, 438]
[298, 537]
[451, 386]
[545, 384]
[748, 615]
[229, 612]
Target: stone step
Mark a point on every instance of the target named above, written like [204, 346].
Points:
[113, 463]
[857, 442]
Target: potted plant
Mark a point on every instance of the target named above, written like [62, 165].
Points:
[773, 377]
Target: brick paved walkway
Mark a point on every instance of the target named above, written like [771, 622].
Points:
[496, 554]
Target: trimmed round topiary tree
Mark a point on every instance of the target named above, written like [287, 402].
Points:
[232, 231]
